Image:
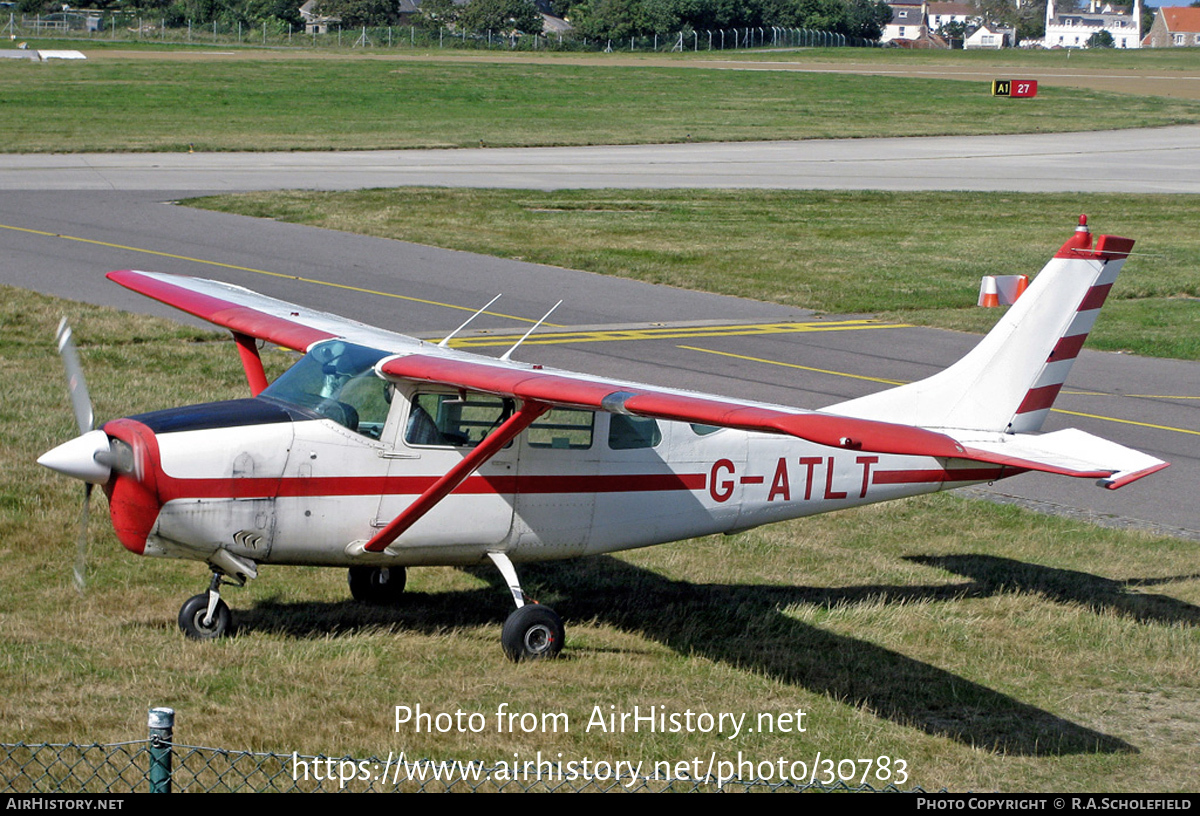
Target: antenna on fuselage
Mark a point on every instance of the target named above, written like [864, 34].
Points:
[506, 355]
[450, 336]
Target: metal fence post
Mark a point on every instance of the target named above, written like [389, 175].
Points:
[162, 733]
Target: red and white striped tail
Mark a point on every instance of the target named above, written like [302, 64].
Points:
[1009, 381]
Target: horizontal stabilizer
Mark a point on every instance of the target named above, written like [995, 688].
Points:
[1069, 452]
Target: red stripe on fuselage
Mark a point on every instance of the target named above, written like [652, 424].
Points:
[172, 489]
[883, 477]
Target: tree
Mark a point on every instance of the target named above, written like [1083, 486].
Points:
[867, 18]
[1101, 39]
[954, 31]
[354, 13]
[606, 19]
[502, 16]
[439, 13]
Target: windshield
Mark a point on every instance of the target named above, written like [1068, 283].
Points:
[337, 380]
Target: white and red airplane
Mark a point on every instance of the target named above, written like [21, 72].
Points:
[378, 452]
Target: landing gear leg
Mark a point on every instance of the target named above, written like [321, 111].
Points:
[533, 632]
[206, 616]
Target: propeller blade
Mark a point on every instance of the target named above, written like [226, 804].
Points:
[81, 542]
[81, 403]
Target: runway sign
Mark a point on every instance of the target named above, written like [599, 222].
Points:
[1021, 88]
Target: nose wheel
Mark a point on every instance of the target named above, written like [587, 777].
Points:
[533, 631]
[206, 616]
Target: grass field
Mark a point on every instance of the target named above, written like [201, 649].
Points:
[916, 257]
[891, 627]
[248, 103]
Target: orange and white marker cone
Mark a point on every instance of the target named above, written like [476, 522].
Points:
[989, 295]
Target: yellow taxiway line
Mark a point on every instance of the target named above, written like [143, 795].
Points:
[673, 333]
[267, 272]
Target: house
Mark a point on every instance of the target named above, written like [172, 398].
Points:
[941, 14]
[314, 21]
[991, 35]
[916, 25]
[1073, 28]
[907, 23]
[1175, 28]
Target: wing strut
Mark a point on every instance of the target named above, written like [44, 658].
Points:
[256, 376]
[443, 487]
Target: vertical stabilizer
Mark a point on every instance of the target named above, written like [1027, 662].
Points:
[1008, 382]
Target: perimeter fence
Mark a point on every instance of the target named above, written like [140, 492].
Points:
[160, 764]
[124, 27]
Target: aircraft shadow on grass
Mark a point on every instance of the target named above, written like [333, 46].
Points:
[992, 575]
[744, 626]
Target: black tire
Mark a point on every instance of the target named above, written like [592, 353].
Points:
[377, 585]
[533, 632]
[193, 612]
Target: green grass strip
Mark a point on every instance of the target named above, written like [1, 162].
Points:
[228, 103]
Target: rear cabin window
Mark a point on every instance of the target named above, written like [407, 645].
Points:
[631, 433]
[564, 428]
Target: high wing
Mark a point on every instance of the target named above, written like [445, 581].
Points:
[250, 314]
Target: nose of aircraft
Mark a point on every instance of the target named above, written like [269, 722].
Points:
[85, 457]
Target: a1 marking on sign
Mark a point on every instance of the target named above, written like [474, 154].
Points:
[1023, 88]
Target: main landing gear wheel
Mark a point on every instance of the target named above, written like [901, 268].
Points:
[193, 613]
[377, 585]
[533, 632]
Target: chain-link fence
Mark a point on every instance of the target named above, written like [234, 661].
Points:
[160, 764]
[130, 27]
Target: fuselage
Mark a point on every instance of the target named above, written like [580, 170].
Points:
[279, 482]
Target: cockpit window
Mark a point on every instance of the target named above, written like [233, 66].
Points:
[337, 380]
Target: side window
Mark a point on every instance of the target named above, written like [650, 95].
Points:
[704, 430]
[565, 428]
[630, 433]
[448, 420]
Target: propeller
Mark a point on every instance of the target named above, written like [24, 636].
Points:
[81, 404]
[91, 457]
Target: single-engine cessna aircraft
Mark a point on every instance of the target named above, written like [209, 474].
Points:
[378, 452]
